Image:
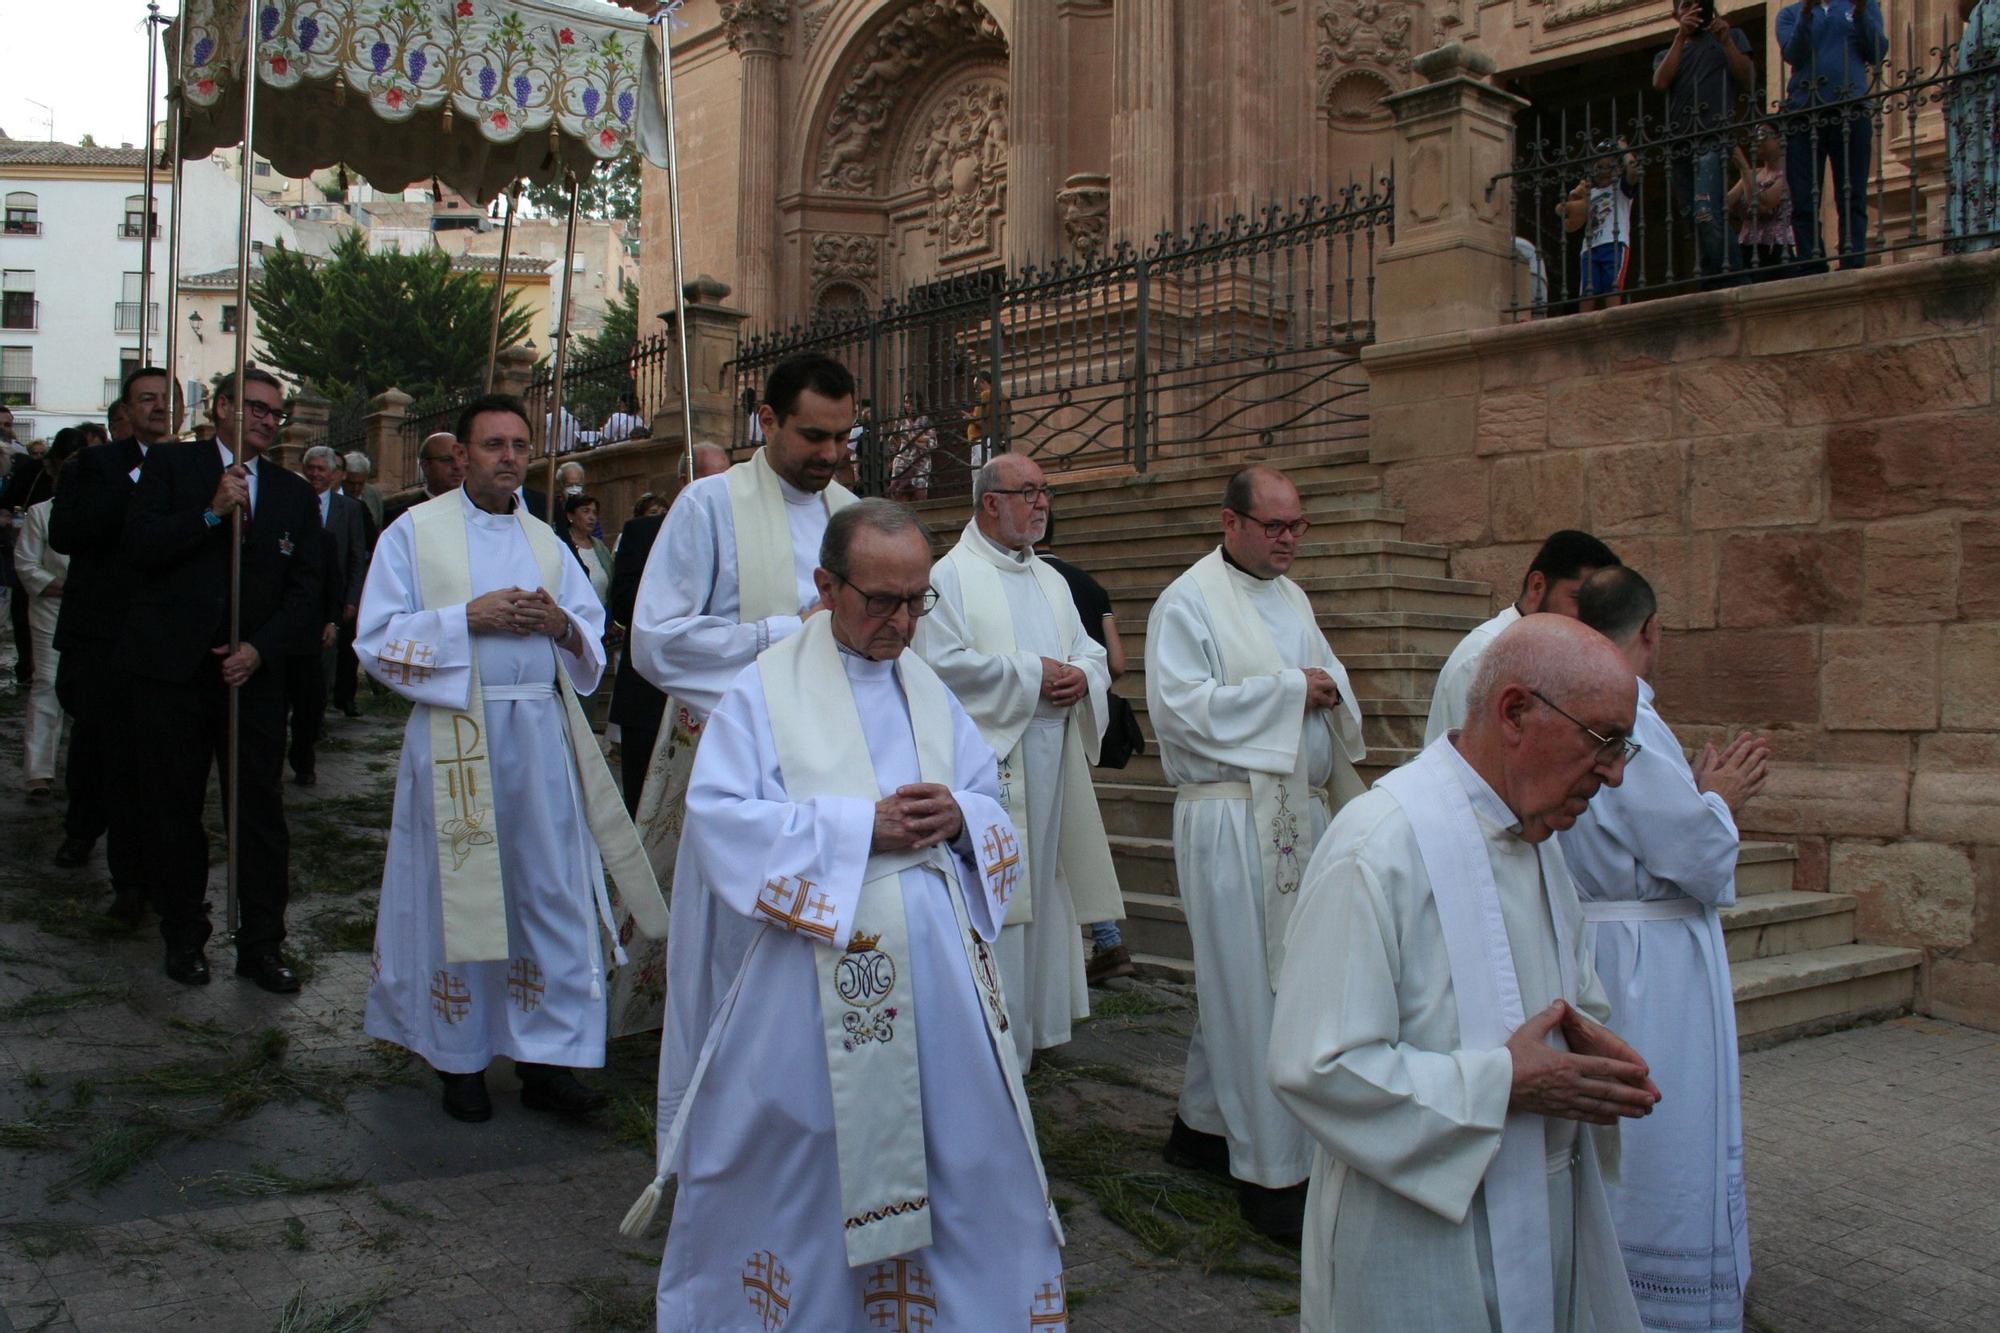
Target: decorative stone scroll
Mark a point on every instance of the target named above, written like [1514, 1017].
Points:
[1084, 205]
[840, 256]
[921, 36]
[1363, 54]
[961, 161]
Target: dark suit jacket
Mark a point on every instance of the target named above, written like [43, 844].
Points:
[27, 484]
[346, 534]
[180, 610]
[635, 701]
[87, 524]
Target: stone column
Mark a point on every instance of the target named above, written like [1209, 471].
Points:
[1451, 268]
[1142, 128]
[1037, 93]
[756, 30]
[395, 465]
[514, 370]
[306, 429]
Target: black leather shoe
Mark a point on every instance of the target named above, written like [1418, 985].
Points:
[350, 710]
[268, 970]
[550, 1088]
[1278, 1214]
[73, 852]
[306, 779]
[466, 1098]
[188, 966]
[1192, 1150]
[128, 910]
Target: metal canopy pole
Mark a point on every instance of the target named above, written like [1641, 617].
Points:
[146, 228]
[176, 82]
[554, 430]
[500, 282]
[232, 779]
[674, 230]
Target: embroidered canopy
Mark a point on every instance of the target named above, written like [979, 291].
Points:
[474, 92]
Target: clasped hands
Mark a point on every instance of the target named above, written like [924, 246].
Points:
[517, 611]
[1598, 1080]
[1063, 684]
[1321, 690]
[920, 815]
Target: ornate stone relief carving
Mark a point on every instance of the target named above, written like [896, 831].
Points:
[840, 256]
[1364, 51]
[918, 37]
[1084, 204]
[960, 160]
[809, 25]
[756, 25]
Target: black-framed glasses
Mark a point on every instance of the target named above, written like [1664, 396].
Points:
[1275, 528]
[1032, 493]
[884, 604]
[1610, 749]
[266, 412]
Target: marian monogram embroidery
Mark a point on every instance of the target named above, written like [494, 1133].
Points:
[1003, 861]
[1050, 1307]
[897, 1296]
[797, 904]
[768, 1288]
[864, 979]
[468, 829]
[1285, 837]
[450, 1000]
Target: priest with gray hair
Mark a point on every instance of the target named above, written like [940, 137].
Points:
[1439, 1025]
[854, 1147]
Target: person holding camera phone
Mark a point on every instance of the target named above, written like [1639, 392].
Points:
[1696, 72]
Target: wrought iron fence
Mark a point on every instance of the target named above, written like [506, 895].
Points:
[1635, 197]
[1243, 334]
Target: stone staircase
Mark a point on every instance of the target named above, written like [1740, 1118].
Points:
[1393, 614]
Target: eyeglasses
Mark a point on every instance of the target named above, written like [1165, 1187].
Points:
[1610, 749]
[1031, 493]
[1275, 528]
[266, 412]
[884, 604]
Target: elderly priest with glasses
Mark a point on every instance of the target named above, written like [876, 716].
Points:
[1438, 1026]
[854, 1149]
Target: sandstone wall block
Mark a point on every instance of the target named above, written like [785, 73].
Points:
[1862, 800]
[1914, 465]
[1877, 383]
[1512, 423]
[1912, 571]
[1764, 480]
[1955, 796]
[1639, 489]
[1909, 893]
[1536, 494]
[1979, 568]
[1879, 679]
[1970, 686]
[1444, 502]
[1790, 578]
[1741, 677]
[1612, 409]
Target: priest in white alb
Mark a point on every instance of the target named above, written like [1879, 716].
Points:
[1439, 1023]
[1259, 732]
[1565, 560]
[1655, 861]
[488, 937]
[854, 1149]
[1007, 640]
[730, 574]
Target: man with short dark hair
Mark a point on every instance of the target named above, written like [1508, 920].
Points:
[1566, 559]
[493, 892]
[180, 536]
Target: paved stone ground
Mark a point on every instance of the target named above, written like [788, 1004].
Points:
[222, 1159]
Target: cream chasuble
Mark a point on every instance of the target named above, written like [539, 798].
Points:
[855, 1066]
[1426, 930]
[728, 576]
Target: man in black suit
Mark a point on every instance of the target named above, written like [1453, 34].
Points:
[176, 647]
[637, 705]
[87, 524]
[343, 568]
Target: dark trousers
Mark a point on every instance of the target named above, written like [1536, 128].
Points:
[185, 737]
[104, 796]
[346, 674]
[305, 698]
[1811, 148]
[635, 752]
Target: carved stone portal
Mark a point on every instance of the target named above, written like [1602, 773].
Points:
[839, 256]
[921, 37]
[960, 160]
[1364, 52]
[1084, 204]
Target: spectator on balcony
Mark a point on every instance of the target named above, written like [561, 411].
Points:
[916, 441]
[1762, 198]
[1832, 46]
[357, 486]
[1696, 72]
[1972, 157]
[1601, 208]
[569, 437]
[625, 423]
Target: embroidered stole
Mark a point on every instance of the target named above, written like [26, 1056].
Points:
[1082, 851]
[474, 905]
[1488, 992]
[1278, 801]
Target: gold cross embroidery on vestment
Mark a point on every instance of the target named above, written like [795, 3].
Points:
[794, 904]
[407, 662]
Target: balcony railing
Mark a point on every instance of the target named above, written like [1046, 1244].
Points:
[21, 316]
[21, 227]
[128, 317]
[17, 390]
[132, 231]
[113, 384]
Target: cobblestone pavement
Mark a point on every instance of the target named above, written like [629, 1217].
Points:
[222, 1159]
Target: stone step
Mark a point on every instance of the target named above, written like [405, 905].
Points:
[1797, 994]
[1385, 723]
[1107, 509]
[1343, 592]
[1145, 768]
[1376, 677]
[1764, 867]
[1187, 541]
[1315, 559]
[1772, 925]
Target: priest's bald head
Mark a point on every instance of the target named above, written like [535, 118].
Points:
[874, 577]
[1010, 501]
[1263, 521]
[1549, 720]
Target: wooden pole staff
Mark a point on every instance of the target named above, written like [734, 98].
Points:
[500, 283]
[153, 22]
[176, 81]
[681, 334]
[233, 783]
[554, 430]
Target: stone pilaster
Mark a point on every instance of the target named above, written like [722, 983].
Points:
[1143, 156]
[1037, 93]
[395, 466]
[756, 31]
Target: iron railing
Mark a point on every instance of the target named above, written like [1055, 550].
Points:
[1242, 334]
[1830, 175]
[127, 317]
[17, 390]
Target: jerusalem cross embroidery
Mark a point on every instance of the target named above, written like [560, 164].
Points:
[406, 662]
[796, 905]
[1003, 861]
[864, 978]
[1285, 835]
[1049, 1308]
[897, 1296]
[449, 998]
[768, 1287]
[524, 983]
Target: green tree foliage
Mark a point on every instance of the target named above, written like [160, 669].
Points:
[599, 363]
[609, 194]
[359, 323]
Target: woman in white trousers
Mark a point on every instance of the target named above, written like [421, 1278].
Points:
[42, 570]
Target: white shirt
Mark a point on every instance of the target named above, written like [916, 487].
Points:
[250, 466]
